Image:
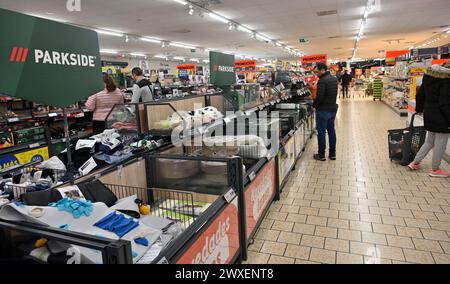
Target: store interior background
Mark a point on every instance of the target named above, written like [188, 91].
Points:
[169, 33]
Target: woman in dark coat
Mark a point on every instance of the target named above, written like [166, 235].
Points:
[433, 100]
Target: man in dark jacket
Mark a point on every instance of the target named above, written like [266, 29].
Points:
[345, 81]
[326, 109]
[433, 100]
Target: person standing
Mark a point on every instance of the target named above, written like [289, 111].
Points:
[326, 109]
[103, 102]
[433, 100]
[142, 88]
[345, 81]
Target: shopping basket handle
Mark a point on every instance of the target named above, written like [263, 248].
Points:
[411, 125]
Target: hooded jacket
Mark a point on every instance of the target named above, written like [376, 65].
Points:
[433, 99]
[327, 90]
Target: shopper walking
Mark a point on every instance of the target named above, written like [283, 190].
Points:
[103, 102]
[326, 109]
[142, 88]
[433, 100]
[345, 81]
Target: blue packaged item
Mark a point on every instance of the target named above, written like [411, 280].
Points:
[117, 223]
[142, 242]
[77, 208]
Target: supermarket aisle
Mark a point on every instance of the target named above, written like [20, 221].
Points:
[361, 208]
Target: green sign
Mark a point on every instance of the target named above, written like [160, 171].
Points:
[304, 40]
[222, 72]
[47, 62]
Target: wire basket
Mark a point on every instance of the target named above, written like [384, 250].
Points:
[16, 190]
[174, 205]
[404, 144]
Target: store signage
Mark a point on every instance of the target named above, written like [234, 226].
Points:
[36, 155]
[245, 66]
[439, 61]
[259, 195]
[44, 57]
[393, 54]
[314, 58]
[186, 66]
[222, 69]
[219, 243]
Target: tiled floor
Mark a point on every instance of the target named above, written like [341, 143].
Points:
[360, 208]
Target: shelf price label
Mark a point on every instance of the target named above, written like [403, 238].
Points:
[229, 196]
[34, 145]
[52, 114]
[15, 119]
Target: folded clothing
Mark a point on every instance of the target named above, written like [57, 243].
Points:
[76, 207]
[117, 223]
[96, 191]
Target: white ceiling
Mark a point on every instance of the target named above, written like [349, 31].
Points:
[410, 21]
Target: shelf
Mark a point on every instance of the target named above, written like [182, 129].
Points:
[22, 147]
[401, 112]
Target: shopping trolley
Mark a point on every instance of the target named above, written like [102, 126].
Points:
[404, 144]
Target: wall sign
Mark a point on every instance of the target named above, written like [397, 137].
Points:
[259, 195]
[222, 69]
[218, 243]
[36, 155]
[40, 58]
[245, 66]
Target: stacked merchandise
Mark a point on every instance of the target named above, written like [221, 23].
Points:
[396, 88]
[377, 88]
[93, 208]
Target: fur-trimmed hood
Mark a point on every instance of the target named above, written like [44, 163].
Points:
[439, 72]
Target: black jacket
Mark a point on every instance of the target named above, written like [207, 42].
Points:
[327, 91]
[346, 79]
[433, 99]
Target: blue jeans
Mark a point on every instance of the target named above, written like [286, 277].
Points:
[325, 122]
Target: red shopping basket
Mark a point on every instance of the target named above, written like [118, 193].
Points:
[405, 143]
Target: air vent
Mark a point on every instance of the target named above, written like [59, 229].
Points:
[327, 13]
[183, 31]
[333, 37]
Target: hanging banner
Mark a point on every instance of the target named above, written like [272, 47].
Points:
[259, 195]
[245, 66]
[47, 62]
[314, 58]
[184, 70]
[219, 243]
[393, 54]
[439, 61]
[222, 69]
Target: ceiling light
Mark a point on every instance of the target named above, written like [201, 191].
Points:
[111, 33]
[263, 37]
[244, 29]
[231, 26]
[182, 2]
[218, 18]
[181, 45]
[127, 39]
[191, 10]
[150, 40]
[160, 56]
[194, 60]
[279, 44]
[178, 58]
[448, 31]
[108, 51]
[138, 54]
[206, 61]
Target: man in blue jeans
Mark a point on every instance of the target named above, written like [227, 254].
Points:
[326, 109]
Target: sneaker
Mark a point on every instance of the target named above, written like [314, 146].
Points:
[414, 167]
[439, 174]
[319, 158]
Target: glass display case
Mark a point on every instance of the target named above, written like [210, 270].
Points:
[126, 119]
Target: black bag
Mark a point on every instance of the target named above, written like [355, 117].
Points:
[96, 191]
[404, 144]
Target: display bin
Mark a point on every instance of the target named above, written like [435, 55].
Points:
[222, 222]
[16, 189]
[16, 237]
